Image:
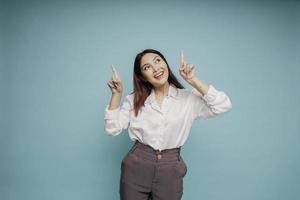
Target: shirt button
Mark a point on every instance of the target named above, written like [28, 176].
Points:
[159, 156]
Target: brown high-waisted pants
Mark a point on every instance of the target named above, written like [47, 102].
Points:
[152, 174]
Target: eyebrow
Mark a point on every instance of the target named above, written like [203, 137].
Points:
[148, 63]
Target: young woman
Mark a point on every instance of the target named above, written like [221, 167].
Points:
[158, 114]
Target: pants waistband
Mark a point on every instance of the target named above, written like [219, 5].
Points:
[150, 149]
[149, 153]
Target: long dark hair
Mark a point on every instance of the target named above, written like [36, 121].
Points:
[142, 88]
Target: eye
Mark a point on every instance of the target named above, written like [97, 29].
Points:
[158, 60]
[147, 67]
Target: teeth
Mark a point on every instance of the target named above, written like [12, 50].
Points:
[158, 75]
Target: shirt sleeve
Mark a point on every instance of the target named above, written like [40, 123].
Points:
[210, 105]
[118, 119]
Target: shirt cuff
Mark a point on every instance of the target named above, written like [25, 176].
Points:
[111, 114]
[211, 94]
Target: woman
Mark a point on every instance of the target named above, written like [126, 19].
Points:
[159, 115]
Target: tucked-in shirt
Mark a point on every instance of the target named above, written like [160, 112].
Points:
[166, 126]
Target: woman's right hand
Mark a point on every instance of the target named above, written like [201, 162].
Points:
[115, 83]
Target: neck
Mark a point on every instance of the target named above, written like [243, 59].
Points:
[163, 90]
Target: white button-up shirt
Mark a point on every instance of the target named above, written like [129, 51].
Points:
[166, 126]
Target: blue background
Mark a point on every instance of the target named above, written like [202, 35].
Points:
[55, 63]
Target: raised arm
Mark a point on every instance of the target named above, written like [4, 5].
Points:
[211, 104]
[116, 118]
[205, 100]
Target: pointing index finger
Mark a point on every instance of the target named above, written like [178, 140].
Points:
[114, 71]
[181, 57]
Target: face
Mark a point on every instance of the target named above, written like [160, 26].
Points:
[154, 69]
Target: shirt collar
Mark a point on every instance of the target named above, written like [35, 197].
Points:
[173, 92]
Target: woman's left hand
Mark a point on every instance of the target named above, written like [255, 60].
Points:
[187, 71]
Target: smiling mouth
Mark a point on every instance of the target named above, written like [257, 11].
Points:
[159, 75]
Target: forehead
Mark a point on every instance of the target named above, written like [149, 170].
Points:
[147, 58]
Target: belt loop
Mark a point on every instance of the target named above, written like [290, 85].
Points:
[179, 154]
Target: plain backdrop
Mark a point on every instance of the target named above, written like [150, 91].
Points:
[55, 64]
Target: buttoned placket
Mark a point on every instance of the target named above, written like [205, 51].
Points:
[164, 105]
[163, 111]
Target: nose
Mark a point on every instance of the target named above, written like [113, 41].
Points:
[155, 68]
